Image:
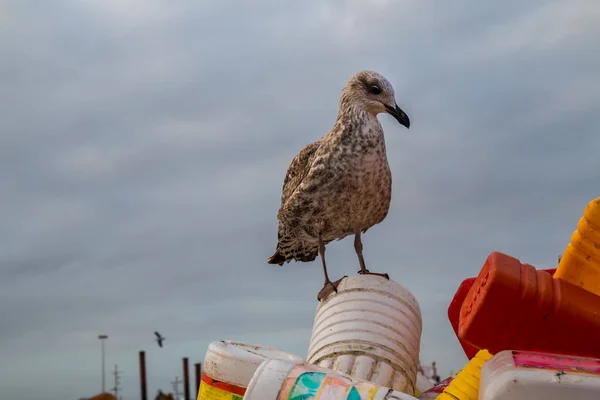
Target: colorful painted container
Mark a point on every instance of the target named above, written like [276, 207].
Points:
[454, 311]
[580, 263]
[287, 380]
[466, 384]
[229, 366]
[370, 329]
[514, 375]
[512, 306]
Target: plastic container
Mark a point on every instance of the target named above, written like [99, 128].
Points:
[422, 385]
[511, 306]
[287, 380]
[466, 384]
[454, 314]
[229, 366]
[434, 392]
[454, 311]
[370, 329]
[513, 375]
[580, 263]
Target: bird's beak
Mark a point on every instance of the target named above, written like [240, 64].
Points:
[400, 115]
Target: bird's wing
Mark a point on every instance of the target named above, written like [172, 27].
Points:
[157, 334]
[298, 170]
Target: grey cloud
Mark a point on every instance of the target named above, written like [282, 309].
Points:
[143, 148]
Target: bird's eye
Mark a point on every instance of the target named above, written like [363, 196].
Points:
[375, 89]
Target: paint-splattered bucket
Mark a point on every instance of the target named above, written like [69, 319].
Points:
[370, 329]
[229, 366]
[288, 380]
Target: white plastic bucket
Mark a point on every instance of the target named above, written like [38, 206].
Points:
[229, 366]
[287, 380]
[512, 375]
[370, 329]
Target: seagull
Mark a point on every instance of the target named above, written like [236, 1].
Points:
[159, 339]
[341, 184]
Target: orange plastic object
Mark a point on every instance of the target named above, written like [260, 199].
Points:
[454, 311]
[454, 314]
[580, 263]
[512, 306]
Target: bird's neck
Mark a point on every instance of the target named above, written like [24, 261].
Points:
[352, 115]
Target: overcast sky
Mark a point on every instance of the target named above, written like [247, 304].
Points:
[143, 147]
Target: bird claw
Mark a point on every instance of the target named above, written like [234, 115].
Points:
[328, 288]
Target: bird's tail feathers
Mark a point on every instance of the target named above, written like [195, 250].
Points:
[277, 258]
[298, 255]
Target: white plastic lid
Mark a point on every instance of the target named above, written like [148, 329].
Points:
[235, 362]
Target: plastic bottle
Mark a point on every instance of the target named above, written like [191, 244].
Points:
[580, 262]
[511, 306]
[229, 366]
[514, 375]
[370, 329]
[466, 384]
[454, 311]
[287, 380]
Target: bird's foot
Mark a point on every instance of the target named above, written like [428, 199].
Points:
[367, 272]
[329, 287]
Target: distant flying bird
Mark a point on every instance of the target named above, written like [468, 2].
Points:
[341, 184]
[159, 339]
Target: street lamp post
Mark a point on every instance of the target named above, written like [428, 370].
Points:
[102, 338]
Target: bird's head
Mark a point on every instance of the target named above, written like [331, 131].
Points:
[373, 93]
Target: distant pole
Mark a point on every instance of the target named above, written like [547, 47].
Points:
[102, 339]
[144, 392]
[198, 368]
[186, 379]
[175, 384]
[117, 377]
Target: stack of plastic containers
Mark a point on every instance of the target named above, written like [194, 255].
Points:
[229, 366]
[287, 380]
[529, 334]
[528, 317]
[370, 329]
[365, 341]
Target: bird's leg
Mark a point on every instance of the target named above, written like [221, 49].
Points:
[328, 286]
[358, 247]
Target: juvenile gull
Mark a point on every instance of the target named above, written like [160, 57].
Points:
[341, 184]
